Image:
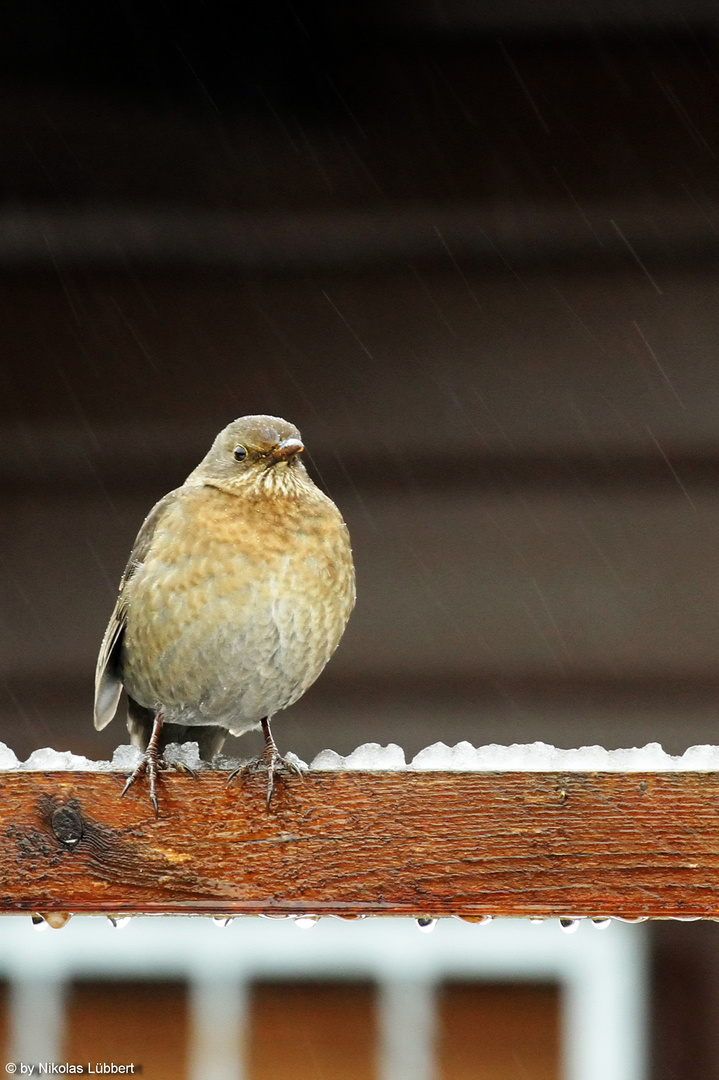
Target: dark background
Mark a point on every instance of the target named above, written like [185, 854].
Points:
[472, 251]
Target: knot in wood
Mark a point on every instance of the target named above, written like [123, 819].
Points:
[67, 826]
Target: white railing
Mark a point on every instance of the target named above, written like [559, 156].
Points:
[602, 976]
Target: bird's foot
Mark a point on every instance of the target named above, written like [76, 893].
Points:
[149, 765]
[272, 763]
[153, 765]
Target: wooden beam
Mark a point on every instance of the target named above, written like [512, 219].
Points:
[418, 844]
[104, 237]
[470, 471]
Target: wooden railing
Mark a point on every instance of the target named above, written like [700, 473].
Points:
[407, 843]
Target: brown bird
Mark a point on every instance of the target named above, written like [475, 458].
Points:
[236, 594]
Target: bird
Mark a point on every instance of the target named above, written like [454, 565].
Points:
[236, 593]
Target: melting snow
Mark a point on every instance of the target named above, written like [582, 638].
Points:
[522, 757]
[527, 757]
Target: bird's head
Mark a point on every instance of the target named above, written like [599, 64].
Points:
[254, 452]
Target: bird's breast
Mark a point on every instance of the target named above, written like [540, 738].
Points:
[237, 606]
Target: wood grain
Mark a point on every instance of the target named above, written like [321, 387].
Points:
[419, 844]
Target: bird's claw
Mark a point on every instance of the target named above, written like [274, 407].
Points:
[181, 767]
[271, 762]
[150, 765]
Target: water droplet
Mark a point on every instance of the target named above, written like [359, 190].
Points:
[536, 918]
[569, 926]
[351, 917]
[306, 922]
[56, 919]
[631, 919]
[222, 920]
[275, 915]
[474, 918]
[38, 923]
[118, 921]
[601, 924]
[426, 924]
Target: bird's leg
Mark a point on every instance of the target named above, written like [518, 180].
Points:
[273, 760]
[150, 762]
[270, 761]
[270, 752]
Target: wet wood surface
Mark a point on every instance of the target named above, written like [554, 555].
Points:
[420, 844]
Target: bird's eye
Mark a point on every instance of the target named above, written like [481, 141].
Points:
[239, 453]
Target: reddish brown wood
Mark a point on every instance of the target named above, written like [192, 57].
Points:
[416, 844]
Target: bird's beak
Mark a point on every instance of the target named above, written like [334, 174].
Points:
[286, 449]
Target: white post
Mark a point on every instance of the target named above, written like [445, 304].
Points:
[37, 1018]
[605, 1011]
[218, 1007]
[407, 1026]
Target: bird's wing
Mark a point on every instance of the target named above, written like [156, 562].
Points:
[108, 673]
